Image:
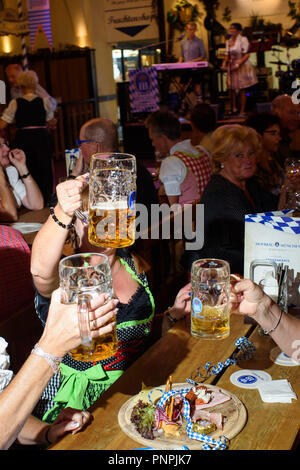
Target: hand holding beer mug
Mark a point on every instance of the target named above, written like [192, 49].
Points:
[82, 277]
[210, 290]
[112, 194]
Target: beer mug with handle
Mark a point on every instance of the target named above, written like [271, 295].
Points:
[210, 289]
[112, 195]
[81, 277]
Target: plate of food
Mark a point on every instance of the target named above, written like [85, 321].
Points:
[182, 414]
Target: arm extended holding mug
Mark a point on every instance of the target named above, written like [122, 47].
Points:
[61, 334]
[249, 299]
[49, 242]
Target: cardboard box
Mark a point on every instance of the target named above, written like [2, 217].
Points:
[275, 237]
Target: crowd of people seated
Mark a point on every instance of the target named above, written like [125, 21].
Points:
[232, 169]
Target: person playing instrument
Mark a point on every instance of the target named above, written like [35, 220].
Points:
[192, 49]
[240, 72]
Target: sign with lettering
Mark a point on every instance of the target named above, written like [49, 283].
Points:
[128, 20]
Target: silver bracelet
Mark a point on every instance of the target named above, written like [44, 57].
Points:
[52, 360]
[266, 332]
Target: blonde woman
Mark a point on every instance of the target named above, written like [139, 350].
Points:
[231, 193]
[31, 115]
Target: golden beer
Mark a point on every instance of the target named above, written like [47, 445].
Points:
[103, 347]
[212, 322]
[112, 225]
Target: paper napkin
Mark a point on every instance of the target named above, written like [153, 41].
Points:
[277, 391]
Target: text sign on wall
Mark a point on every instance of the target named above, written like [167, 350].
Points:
[130, 20]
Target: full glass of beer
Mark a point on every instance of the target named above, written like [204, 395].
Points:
[210, 289]
[112, 195]
[82, 277]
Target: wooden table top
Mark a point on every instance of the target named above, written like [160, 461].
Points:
[39, 217]
[269, 425]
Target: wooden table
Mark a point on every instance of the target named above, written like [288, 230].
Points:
[269, 425]
[39, 217]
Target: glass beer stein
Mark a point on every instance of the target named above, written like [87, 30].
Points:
[210, 289]
[112, 195]
[82, 277]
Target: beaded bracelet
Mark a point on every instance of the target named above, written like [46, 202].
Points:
[67, 227]
[52, 360]
[24, 176]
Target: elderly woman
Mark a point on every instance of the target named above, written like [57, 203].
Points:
[231, 193]
[135, 306]
[31, 114]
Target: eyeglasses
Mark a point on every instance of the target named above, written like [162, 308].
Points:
[79, 142]
[272, 132]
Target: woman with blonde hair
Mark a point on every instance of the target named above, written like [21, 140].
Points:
[231, 193]
[31, 115]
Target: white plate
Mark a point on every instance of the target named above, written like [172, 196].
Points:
[27, 227]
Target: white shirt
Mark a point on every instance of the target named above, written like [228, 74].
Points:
[10, 112]
[16, 183]
[173, 170]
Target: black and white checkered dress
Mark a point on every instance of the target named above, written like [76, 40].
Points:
[134, 322]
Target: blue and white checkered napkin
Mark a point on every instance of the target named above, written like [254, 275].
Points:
[276, 220]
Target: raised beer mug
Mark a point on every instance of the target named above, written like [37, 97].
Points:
[210, 289]
[112, 195]
[81, 277]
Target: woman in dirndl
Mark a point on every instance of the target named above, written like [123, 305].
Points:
[240, 72]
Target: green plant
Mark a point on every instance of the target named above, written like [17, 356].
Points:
[175, 18]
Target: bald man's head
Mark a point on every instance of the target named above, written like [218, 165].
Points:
[102, 133]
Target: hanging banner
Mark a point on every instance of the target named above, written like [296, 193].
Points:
[143, 90]
[39, 20]
[130, 20]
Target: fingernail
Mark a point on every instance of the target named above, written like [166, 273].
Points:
[75, 425]
[189, 293]
[115, 301]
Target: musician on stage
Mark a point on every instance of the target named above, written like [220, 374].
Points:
[193, 50]
[192, 47]
[240, 72]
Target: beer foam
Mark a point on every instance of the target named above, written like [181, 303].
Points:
[110, 205]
